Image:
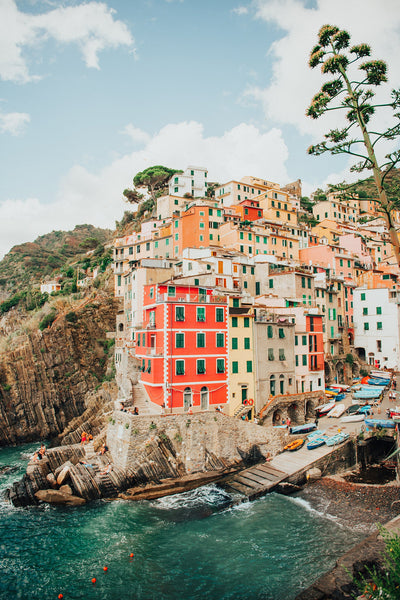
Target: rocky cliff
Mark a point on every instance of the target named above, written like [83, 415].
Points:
[51, 377]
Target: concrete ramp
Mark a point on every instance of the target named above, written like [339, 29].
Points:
[256, 481]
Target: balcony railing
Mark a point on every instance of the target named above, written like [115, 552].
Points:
[196, 298]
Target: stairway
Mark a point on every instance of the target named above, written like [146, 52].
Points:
[89, 450]
[142, 402]
[256, 481]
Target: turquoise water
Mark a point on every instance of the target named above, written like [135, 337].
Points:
[185, 547]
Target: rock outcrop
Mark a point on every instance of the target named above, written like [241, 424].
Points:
[50, 378]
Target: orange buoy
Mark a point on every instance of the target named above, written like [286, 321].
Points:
[131, 555]
[94, 580]
[105, 569]
[60, 596]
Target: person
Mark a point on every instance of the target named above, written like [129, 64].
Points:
[41, 452]
[103, 449]
[288, 422]
[136, 411]
[190, 411]
[106, 469]
[83, 438]
[163, 408]
[122, 406]
[35, 457]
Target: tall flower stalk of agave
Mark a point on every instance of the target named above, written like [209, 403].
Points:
[353, 91]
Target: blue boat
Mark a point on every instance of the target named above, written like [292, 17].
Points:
[303, 428]
[334, 440]
[380, 423]
[364, 409]
[383, 382]
[315, 442]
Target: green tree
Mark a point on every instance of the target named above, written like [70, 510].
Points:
[155, 178]
[132, 196]
[352, 91]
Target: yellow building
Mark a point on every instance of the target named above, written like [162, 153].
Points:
[241, 392]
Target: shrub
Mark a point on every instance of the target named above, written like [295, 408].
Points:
[71, 317]
[47, 320]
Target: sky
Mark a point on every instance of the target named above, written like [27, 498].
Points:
[94, 92]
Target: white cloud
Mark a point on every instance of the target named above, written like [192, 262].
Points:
[136, 134]
[13, 123]
[96, 198]
[293, 83]
[240, 10]
[89, 25]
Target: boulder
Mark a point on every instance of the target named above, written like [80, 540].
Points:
[51, 479]
[58, 497]
[66, 489]
[64, 474]
[314, 474]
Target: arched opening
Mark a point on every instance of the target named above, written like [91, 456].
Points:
[272, 385]
[187, 399]
[276, 417]
[293, 413]
[328, 373]
[121, 327]
[310, 409]
[360, 353]
[204, 398]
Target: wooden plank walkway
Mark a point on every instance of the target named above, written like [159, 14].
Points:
[264, 478]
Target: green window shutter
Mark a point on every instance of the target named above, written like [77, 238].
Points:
[235, 303]
[379, 310]
[270, 354]
[362, 296]
[219, 315]
[234, 343]
[282, 354]
[249, 366]
[296, 340]
[234, 321]
[220, 365]
[180, 367]
[235, 367]
[201, 366]
[201, 340]
[270, 332]
[247, 322]
[200, 314]
[304, 359]
[179, 313]
[297, 360]
[179, 340]
[281, 333]
[379, 325]
[365, 310]
[247, 343]
[220, 340]
[304, 340]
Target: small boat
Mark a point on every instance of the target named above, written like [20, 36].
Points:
[315, 442]
[316, 433]
[342, 387]
[337, 410]
[374, 381]
[334, 440]
[364, 409]
[353, 409]
[303, 428]
[352, 418]
[380, 423]
[295, 445]
[323, 409]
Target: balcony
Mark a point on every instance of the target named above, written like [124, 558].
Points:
[192, 298]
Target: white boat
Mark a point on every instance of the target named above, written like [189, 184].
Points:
[337, 410]
[352, 418]
[325, 408]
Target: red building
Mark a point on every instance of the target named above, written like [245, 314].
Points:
[315, 342]
[183, 347]
[249, 210]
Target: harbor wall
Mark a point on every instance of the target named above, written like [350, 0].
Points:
[195, 439]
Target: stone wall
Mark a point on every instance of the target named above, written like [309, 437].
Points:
[197, 439]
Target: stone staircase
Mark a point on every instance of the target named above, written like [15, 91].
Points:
[89, 450]
[142, 402]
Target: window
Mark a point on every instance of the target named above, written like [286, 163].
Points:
[179, 340]
[235, 303]
[247, 343]
[365, 310]
[379, 310]
[247, 322]
[270, 332]
[219, 315]
[270, 354]
[309, 283]
[220, 365]
[282, 354]
[281, 332]
[366, 326]
[234, 321]
[304, 359]
[303, 282]
[151, 293]
[249, 366]
[179, 313]
[200, 340]
[271, 282]
[201, 366]
[200, 313]
[379, 325]
[171, 290]
[296, 340]
[362, 296]
[180, 367]
[297, 360]
[304, 340]
[235, 367]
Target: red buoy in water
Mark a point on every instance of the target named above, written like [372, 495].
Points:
[131, 555]
[94, 580]
[60, 596]
[105, 568]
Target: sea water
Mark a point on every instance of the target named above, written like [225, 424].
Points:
[189, 546]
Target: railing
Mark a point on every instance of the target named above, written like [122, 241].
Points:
[198, 298]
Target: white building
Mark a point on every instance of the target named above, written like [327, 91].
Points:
[377, 326]
[50, 286]
[193, 181]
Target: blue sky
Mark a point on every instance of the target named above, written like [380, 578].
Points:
[93, 92]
